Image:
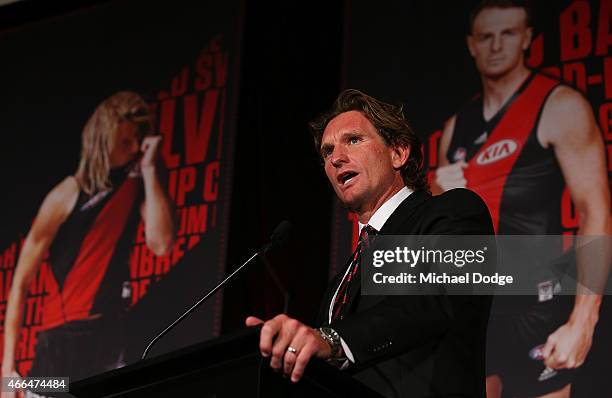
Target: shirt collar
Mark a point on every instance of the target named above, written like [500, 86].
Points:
[380, 216]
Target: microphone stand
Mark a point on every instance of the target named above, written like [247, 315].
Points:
[278, 236]
[196, 305]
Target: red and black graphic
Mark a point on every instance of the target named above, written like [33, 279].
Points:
[510, 165]
[430, 70]
[71, 294]
[188, 74]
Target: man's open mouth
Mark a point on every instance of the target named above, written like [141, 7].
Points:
[346, 176]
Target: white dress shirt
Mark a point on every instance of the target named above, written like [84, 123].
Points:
[377, 221]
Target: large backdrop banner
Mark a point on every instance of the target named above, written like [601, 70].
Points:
[71, 88]
[416, 54]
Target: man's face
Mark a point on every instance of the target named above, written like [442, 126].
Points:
[499, 38]
[126, 144]
[361, 168]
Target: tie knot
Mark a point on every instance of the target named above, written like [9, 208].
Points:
[367, 233]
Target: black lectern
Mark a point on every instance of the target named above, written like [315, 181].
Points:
[229, 366]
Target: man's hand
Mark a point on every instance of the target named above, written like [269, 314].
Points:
[150, 149]
[569, 345]
[451, 176]
[282, 332]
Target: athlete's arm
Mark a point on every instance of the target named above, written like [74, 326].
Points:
[156, 210]
[448, 175]
[53, 212]
[568, 125]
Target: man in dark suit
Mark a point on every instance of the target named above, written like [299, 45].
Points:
[400, 346]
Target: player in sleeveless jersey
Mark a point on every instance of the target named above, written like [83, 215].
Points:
[517, 144]
[87, 224]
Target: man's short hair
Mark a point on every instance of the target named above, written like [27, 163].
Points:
[485, 4]
[390, 124]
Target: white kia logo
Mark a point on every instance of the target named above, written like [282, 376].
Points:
[499, 150]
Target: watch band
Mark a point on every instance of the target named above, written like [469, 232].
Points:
[332, 338]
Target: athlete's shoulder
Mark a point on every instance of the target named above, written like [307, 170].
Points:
[62, 197]
[562, 95]
[65, 190]
[566, 114]
[566, 99]
[56, 207]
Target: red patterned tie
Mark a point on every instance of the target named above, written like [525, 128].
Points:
[343, 290]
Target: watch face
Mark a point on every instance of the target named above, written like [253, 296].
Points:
[331, 333]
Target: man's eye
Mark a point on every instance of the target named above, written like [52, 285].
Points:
[353, 140]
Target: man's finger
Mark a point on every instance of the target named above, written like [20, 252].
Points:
[561, 359]
[300, 339]
[150, 141]
[556, 360]
[548, 347]
[289, 359]
[145, 144]
[452, 174]
[301, 361]
[285, 337]
[551, 363]
[253, 321]
[268, 331]
[452, 168]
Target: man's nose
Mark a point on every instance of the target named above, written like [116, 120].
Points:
[496, 45]
[338, 156]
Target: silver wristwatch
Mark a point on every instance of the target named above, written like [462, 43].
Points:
[332, 338]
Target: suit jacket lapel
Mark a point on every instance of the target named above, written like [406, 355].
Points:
[403, 211]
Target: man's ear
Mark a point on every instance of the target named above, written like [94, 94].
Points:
[528, 38]
[399, 156]
[469, 40]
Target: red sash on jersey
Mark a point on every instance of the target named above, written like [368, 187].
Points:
[489, 168]
[75, 300]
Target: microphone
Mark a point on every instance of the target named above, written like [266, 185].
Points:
[278, 237]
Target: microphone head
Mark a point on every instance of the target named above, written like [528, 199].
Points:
[279, 235]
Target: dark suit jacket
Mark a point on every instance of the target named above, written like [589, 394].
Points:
[421, 346]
